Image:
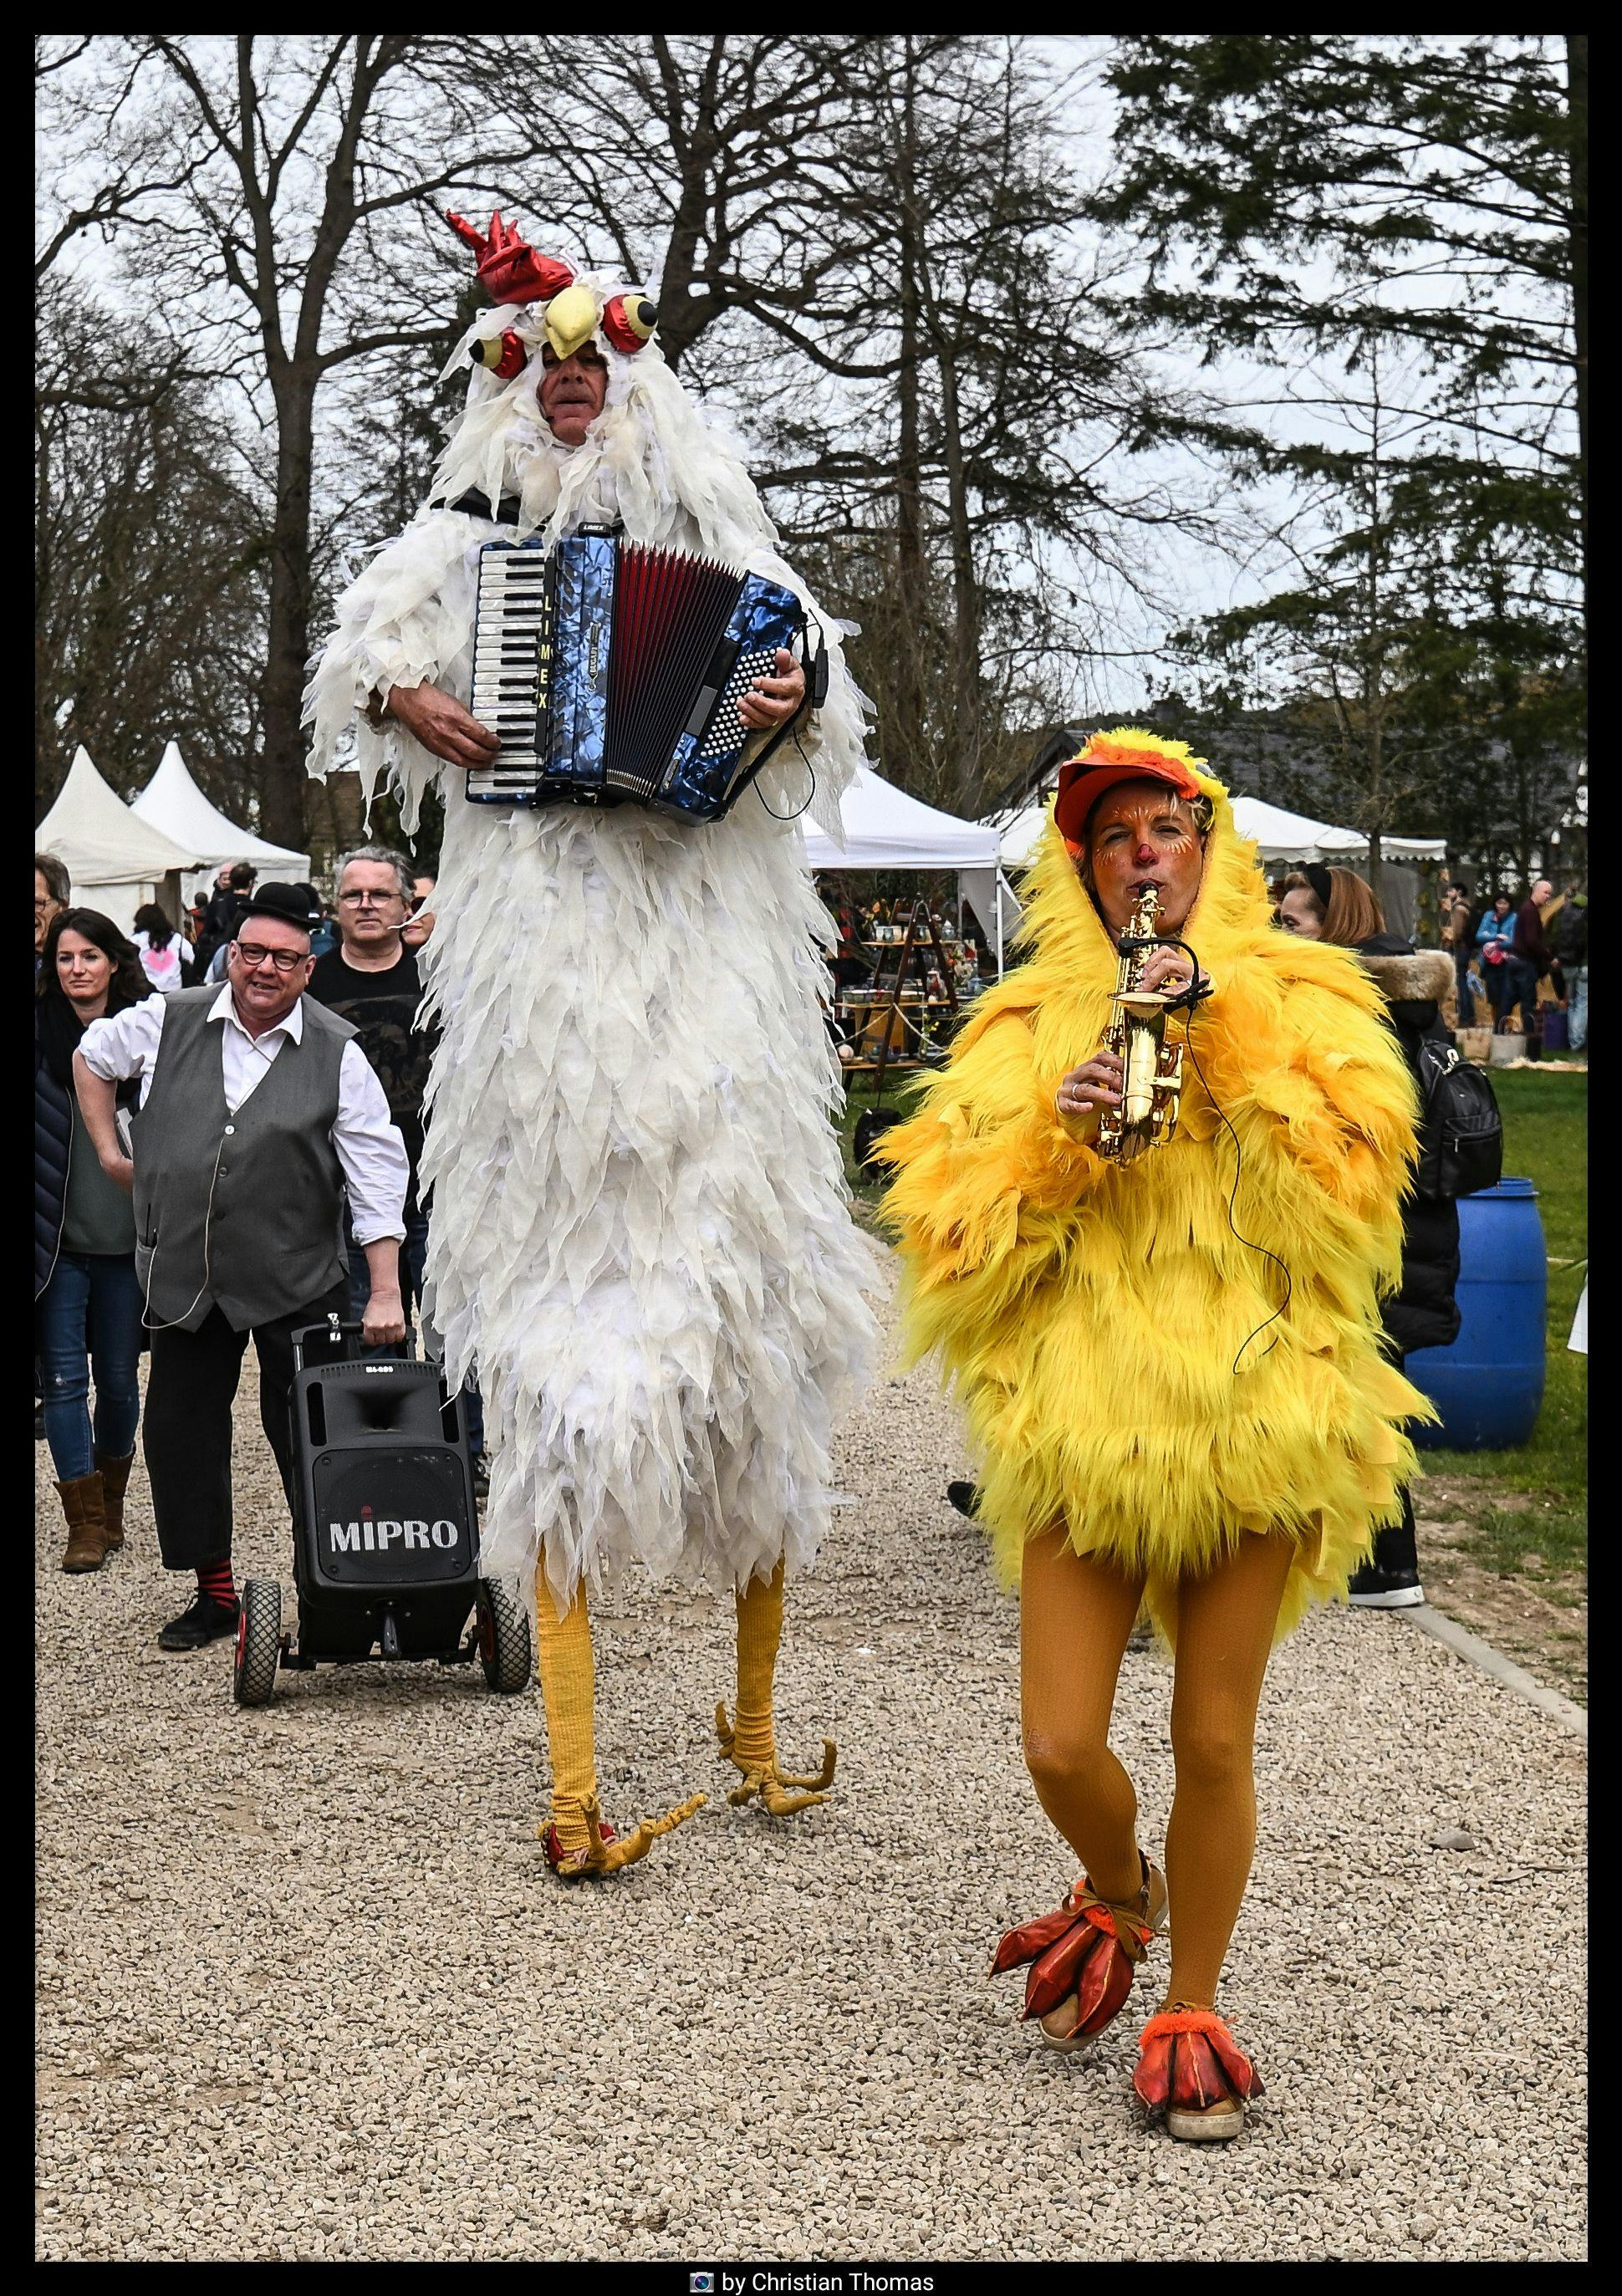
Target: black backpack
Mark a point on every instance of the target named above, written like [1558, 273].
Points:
[1571, 934]
[1462, 1130]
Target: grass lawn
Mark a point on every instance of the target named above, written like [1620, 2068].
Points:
[1545, 1142]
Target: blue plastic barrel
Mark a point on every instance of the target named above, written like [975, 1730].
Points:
[1488, 1385]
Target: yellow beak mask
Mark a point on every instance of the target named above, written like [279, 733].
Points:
[571, 320]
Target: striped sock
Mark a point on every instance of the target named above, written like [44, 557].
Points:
[213, 1579]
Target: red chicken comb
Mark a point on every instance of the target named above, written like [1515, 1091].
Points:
[508, 268]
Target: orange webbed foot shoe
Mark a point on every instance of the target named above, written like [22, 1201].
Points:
[1190, 2067]
[1083, 1956]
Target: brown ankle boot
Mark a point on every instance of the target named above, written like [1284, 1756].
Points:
[114, 1474]
[87, 1531]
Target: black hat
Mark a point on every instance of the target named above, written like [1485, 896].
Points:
[288, 903]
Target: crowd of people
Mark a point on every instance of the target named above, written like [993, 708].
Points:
[1513, 960]
[361, 967]
[268, 1056]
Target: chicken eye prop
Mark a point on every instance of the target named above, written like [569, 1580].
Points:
[503, 355]
[628, 322]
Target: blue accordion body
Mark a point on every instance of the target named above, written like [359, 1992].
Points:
[611, 675]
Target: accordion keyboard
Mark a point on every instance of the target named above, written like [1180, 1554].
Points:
[512, 667]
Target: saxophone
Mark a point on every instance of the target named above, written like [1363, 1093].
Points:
[1152, 1070]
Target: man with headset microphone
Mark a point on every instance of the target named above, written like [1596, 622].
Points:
[259, 1113]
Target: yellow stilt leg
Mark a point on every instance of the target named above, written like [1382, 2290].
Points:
[749, 1743]
[568, 1686]
[569, 1693]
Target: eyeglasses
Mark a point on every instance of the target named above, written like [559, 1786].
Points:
[360, 901]
[285, 960]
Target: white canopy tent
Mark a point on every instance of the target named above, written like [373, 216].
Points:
[172, 802]
[116, 861]
[886, 829]
[1280, 836]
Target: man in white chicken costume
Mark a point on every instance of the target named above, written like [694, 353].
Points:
[641, 1237]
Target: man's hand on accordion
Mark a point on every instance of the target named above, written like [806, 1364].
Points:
[773, 700]
[443, 726]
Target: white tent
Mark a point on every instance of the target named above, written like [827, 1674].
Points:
[886, 829]
[116, 861]
[1280, 836]
[172, 801]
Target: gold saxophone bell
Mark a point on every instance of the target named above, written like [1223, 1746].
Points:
[1152, 1070]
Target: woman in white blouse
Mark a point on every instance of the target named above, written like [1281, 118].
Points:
[165, 954]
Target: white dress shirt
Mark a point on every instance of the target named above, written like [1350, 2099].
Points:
[368, 1145]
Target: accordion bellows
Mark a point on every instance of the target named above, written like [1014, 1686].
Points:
[612, 675]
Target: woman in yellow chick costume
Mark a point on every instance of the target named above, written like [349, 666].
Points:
[1171, 1365]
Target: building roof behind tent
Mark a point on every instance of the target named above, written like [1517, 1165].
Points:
[101, 841]
[886, 829]
[173, 803]
[1040, 768]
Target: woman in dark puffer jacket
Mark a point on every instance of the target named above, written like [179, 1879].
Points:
[86, 1298]
[1334, 905]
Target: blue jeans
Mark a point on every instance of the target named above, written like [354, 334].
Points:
[413, 1252]
[87, 1320]
[1522, 988]
[1576, 1009]
[1467, 1001]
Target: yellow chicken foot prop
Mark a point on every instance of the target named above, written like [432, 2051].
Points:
[602, 1853]
[578, 1842]
[768, 1781]
[749, 1744]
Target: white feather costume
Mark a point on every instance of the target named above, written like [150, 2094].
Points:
[641, 1243]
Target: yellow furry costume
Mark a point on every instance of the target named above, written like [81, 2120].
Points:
[1091, 1313]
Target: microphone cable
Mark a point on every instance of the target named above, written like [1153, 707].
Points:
[1191, 998]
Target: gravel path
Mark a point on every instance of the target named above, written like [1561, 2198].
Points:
[306, 1990]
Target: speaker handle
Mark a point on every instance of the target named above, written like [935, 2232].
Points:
[337, 1327]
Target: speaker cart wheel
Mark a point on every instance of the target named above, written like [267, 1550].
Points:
[504, 1637]
[259, 1644]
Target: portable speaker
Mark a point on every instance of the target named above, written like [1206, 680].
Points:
[385, 1487]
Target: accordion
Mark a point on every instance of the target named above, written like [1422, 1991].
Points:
[611, 675]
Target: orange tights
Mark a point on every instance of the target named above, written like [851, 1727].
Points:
[1075, 1612]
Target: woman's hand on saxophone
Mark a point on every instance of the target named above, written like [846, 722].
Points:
[1096, 1084]
[1168, 969]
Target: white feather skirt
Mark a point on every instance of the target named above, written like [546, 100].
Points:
[641, 1241]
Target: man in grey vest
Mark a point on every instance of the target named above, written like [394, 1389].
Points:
[258, 1114]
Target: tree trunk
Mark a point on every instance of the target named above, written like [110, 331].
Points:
[288, 636]
[968, 731]
[910, 572]
[1576, 98]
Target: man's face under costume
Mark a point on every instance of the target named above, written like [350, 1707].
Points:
[571, 392]
[1142, 833]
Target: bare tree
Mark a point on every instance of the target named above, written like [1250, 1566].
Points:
[150, 565]
[285, 232]
[862, 244]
